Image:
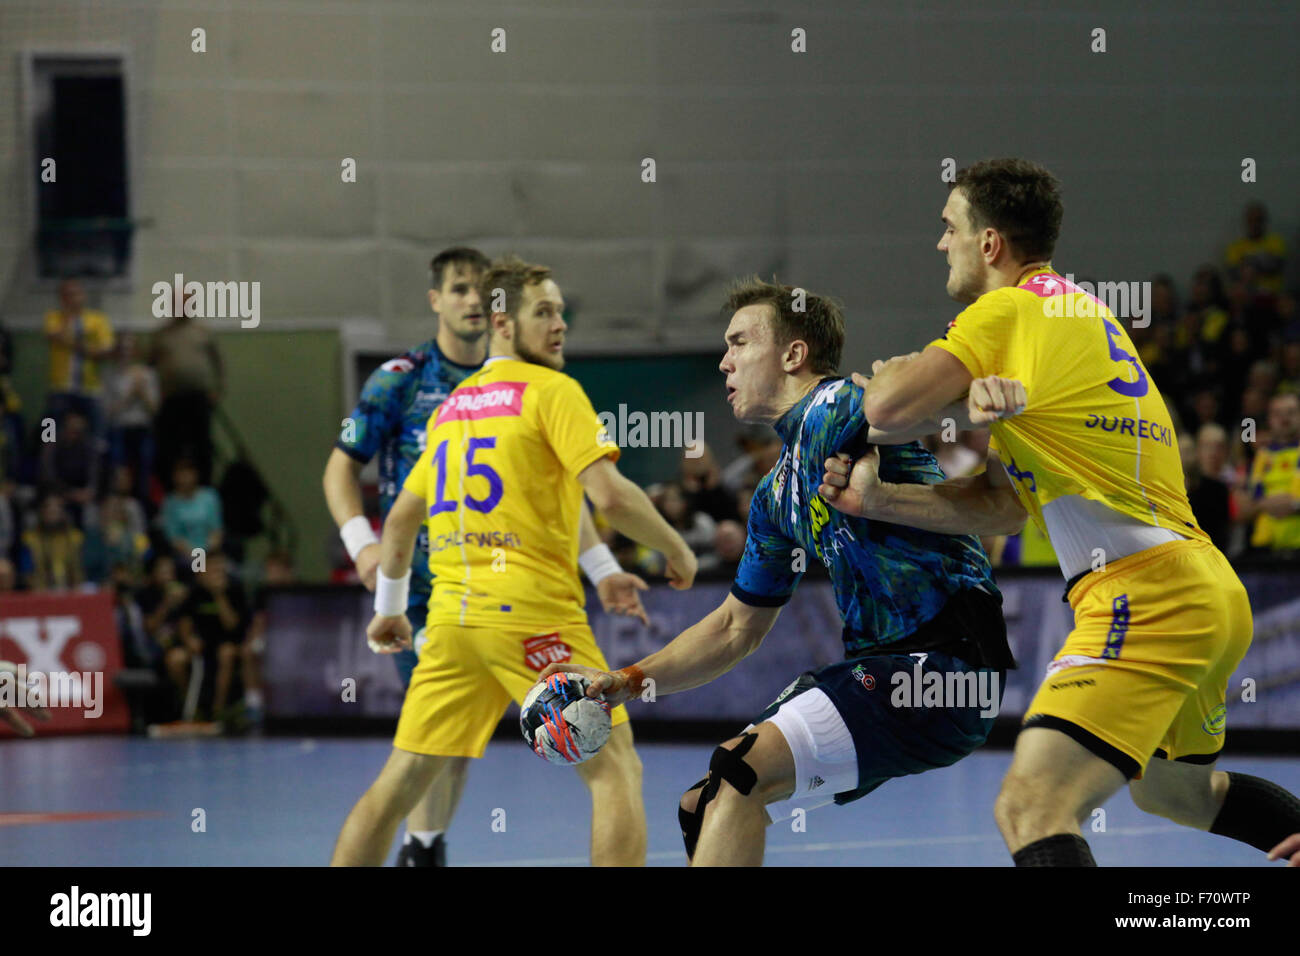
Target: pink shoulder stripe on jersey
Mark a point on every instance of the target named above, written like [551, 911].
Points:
[1045, 285]
[498, 400]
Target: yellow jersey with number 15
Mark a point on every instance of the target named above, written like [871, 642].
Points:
[499, 478]
[1095, 424]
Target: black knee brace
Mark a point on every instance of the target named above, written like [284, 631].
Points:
[727, 765]
[1256, 811]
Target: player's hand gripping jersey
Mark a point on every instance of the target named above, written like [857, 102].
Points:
[888, 579]
[1095, 425]
[499, 478]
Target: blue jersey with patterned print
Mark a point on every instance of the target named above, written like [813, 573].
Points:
[389, 421]
[888, 579]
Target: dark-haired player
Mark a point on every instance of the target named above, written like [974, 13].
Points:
[1137, 692]
[915, 605]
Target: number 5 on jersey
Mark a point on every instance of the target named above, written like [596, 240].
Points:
[472, 469]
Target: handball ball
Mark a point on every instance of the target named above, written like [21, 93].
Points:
[561, 723]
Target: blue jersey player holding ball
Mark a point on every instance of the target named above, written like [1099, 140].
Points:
[917, 606]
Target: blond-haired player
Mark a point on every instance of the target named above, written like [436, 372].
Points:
[499, 488]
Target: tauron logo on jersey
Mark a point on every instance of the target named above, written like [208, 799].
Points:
[546, 649]
[498, 400]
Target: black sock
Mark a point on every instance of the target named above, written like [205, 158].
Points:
[1257, 811]
[1063, 849]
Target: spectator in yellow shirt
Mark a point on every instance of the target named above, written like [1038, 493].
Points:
[1274, 489]
[1259, 252]
[79, 339]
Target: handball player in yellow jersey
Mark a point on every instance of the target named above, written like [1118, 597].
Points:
[1137, 692]
[499, 487]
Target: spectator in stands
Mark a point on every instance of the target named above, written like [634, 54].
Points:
[1233, 366]
[1289, 380]
[8, 576]
[729, 542]
[278, 572]
[1259, 253]
[760, 446]
[1273, 494]
[1207, 493]
[133, 401]
[52, 549]
[191, 514]
[695, 527]
[190, 377]
[160, 601]
[11, 421]
[701, 482]
[9, 528]
[213, 625]
[70, 464]
[1208, 303]
[1202, 410]
[122, 524]
[80, 339]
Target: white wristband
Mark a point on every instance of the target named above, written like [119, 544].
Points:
[391, 594]
[598, 563]
[357, 534]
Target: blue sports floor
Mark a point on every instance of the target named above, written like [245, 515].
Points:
[281, 801]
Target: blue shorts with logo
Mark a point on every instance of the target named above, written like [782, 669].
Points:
[894, 732]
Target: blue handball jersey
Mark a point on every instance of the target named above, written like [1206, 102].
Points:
[389, 421]
[888, 579]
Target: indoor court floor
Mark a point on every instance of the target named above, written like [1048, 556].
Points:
[279, 801]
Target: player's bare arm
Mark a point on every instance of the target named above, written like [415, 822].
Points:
[701, 653]
[920, 390]
[389, 633]
[988, 399]
[980, 504]
[342, 484]
[630, 511]
[619, 592]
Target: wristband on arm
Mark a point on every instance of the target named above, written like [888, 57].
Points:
[598, 563]
[391, 594]
[357, 535]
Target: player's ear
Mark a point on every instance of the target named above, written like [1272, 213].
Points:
[796, 354]
[433, 299]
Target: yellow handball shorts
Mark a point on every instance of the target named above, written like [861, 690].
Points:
[1156, 637]
[467, 676]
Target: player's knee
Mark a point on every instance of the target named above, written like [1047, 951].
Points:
[736, 778]
[1015, 802]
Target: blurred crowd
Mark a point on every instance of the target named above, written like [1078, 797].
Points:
[110, 488]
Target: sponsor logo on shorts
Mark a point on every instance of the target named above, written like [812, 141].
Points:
[1077, 682]
[1119, 618]
[862, 677]
[546, 649]
[1215, 724]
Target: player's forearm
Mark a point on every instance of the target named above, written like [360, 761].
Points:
[957, 506]
[397, 543]
[342, 485]
[632, 513]
[588, 537]
[700, 654]
[955, 416]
